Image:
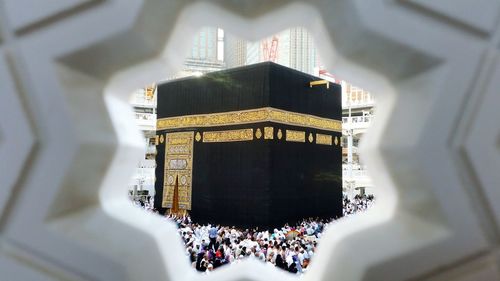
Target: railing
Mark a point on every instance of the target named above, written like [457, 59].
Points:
[145, 116]
[358, 119]
[145, 119]
[355, 173]
[357, 103]
[142, 101]
[151, 149]
[360, 178]
[355, 166]
[147, 164]
[357, 122]
[145, 174]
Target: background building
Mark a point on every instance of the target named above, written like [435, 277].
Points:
[357, 115]
[207, 52]
[235, 51]
[144, 103]
[293, 48]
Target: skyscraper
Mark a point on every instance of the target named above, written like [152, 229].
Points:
[207, 51]
[235, 52]
[302, 52]
[294, 48]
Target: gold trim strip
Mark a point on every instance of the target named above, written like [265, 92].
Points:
[323, 139]
[295, 136]
[268, 133]
[266, 114]
[228, 136]
[319, 82]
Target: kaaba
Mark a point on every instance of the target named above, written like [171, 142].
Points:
[253, 146]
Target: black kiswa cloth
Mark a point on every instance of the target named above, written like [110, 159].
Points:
[255, 86]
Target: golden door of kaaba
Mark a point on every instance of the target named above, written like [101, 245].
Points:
[178, 163]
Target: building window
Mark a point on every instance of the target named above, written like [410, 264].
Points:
[220, 44]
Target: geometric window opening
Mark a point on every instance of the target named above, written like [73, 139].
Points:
[68, 218]
[213, 49]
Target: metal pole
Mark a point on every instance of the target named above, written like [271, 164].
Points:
[349, 149]
[134, 194]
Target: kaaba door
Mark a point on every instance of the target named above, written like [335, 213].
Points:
[178, 163]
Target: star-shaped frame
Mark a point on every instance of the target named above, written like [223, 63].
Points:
[71, 218]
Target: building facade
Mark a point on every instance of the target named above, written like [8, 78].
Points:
[292, 47]
[358, 111]
[207, 52]
[141, 184]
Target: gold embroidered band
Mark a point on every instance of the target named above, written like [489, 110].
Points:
[266, 114]
[228, 136]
